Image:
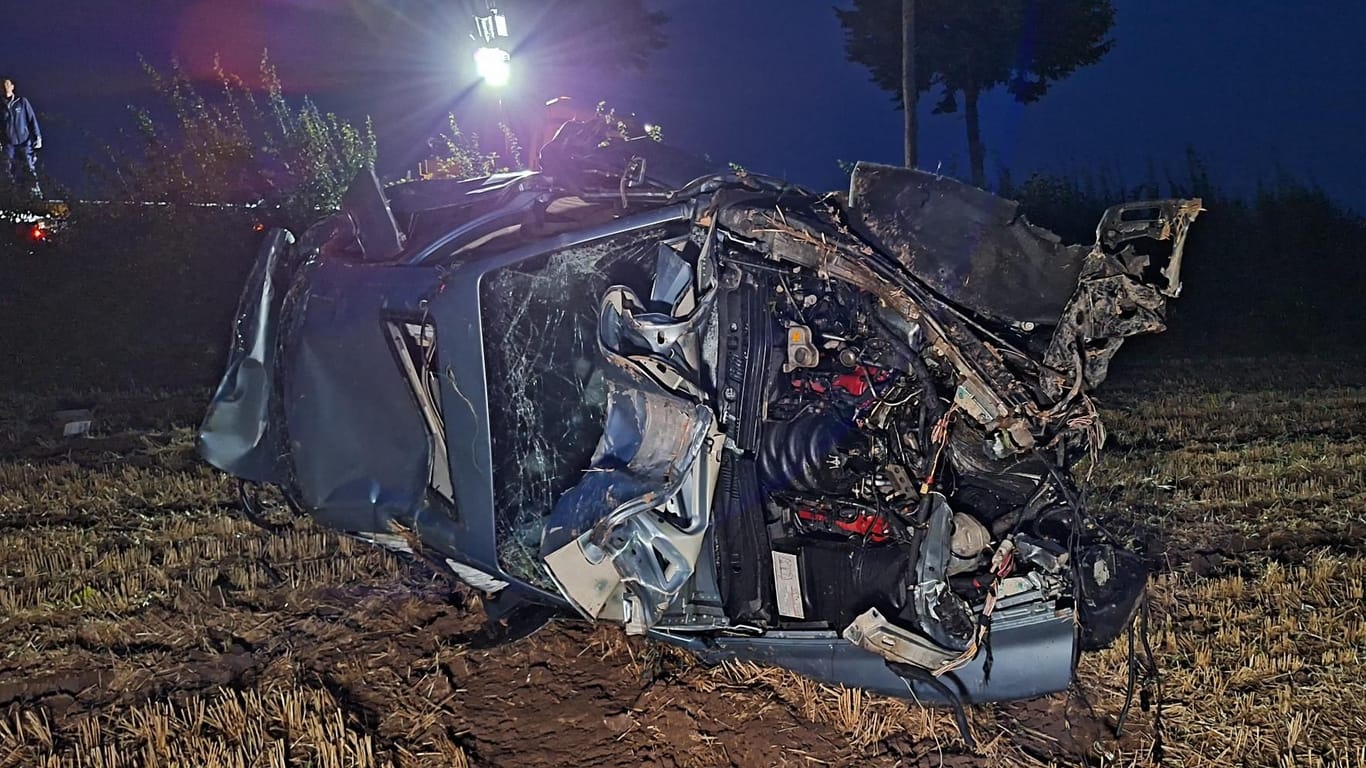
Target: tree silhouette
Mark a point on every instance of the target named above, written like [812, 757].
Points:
[968, 48]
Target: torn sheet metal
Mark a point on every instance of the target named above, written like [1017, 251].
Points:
[830, 433]
[1115, 298]
[967, 245]
[651, 442]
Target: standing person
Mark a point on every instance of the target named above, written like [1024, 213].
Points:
[19, 131]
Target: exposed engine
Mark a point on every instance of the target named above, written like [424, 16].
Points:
[884, 503]
[832, 431]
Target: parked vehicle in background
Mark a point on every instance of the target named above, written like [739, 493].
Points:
[36, 224]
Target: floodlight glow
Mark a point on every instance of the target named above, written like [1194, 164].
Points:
[494, 65]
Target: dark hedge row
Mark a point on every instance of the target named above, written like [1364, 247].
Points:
[124, 298]
[144, 297]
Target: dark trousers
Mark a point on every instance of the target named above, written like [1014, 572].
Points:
[21, 165]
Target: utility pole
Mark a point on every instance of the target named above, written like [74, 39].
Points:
[909, 94]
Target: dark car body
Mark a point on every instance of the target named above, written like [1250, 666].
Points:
[830, 432]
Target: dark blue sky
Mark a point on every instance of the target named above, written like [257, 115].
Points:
[1253, 86]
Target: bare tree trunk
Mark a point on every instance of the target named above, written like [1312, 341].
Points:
[909, 93]
[976, 152]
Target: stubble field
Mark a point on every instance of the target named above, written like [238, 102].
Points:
[143, 621]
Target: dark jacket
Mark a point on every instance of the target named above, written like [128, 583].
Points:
[19, 123]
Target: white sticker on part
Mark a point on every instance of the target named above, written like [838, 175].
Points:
[475, 577]
[787, 582]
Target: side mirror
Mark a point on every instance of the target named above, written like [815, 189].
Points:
[375, 228]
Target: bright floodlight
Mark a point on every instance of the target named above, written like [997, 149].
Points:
[494, 65]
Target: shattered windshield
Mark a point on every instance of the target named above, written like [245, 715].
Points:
[545, 391]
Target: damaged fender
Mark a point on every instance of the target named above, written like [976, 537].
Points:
[833, 432]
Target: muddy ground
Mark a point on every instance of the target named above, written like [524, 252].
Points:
[144, 622]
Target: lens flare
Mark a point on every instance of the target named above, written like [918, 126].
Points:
[494, 66]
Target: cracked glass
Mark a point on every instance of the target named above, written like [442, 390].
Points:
[547, 398]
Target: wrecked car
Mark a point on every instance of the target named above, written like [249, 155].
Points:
[831, 432]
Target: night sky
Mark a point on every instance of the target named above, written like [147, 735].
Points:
[1256, 87]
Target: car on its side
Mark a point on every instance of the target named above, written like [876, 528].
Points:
[832, 432]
